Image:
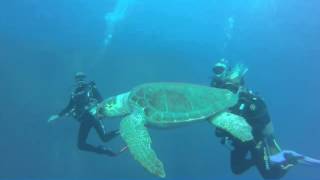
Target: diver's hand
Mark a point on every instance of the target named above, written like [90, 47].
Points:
[53, 118]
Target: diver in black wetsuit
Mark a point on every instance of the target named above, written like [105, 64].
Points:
[82, 104]
[254, 110]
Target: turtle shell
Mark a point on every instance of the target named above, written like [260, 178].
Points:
[174, 103]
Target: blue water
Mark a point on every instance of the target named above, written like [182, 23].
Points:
[43, 43]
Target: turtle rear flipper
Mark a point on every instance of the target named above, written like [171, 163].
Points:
[234, 124]
[136, 136]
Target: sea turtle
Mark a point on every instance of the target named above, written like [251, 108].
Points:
[170, 104]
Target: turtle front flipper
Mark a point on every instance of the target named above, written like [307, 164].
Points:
[138, 140]
[234, 124]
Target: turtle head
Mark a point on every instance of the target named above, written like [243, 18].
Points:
[114, 106]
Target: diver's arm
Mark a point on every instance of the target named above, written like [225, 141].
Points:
[67, 109]
[64, 112]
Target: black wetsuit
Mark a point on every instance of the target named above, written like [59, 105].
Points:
[82, 100]
[254, 110]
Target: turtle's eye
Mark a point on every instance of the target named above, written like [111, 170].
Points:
[110, 105]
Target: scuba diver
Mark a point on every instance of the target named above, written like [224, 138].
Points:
[264, 151]
[82, 106]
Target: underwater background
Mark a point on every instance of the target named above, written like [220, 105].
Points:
[123, 43]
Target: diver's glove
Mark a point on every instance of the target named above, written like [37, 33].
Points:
[289, 158]
[53, 118]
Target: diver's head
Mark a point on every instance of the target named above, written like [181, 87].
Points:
[80, 79]
[231, 78]
[220, 68]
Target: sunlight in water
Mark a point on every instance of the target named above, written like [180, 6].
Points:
[114, 17]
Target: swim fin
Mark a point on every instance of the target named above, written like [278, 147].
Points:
[291, 157]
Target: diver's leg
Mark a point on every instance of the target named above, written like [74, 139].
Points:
[266, 170]
[84, 130]
[85, 127]
[104, 136]
[239, 161]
